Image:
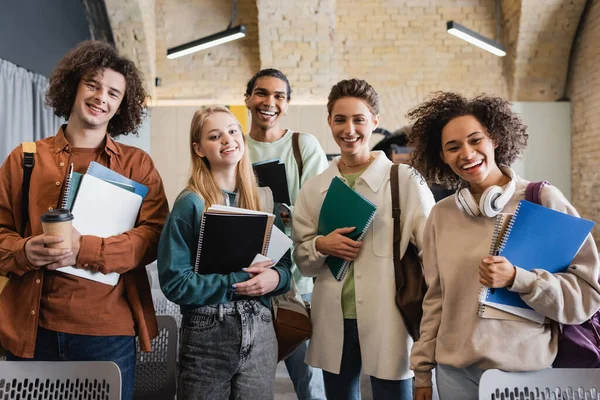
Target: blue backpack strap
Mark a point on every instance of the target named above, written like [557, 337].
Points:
[533, 193]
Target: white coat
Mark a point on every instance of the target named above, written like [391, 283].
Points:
[384, 340]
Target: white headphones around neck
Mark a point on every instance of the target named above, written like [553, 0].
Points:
[492, 200]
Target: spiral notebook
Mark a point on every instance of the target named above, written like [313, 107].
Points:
[536, 238]
[230, 239]
[344, 207]
[486, 311]
[102, 209]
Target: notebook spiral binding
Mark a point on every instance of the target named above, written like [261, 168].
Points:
[67, 192]
[346, 264]
[267, 241]
[483, 291]
[508, 229]
[199, 249]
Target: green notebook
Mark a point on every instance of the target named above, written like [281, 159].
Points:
[344, 207]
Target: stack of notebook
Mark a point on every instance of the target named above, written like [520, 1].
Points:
[343, 207]
[104, 203]
[231, 238]
[535, 237]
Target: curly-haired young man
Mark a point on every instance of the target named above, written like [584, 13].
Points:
[50, 315]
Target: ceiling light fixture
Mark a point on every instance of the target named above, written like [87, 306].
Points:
[231, 33]
[493, 46]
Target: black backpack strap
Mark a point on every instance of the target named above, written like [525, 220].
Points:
[394, 188]
[29, 150]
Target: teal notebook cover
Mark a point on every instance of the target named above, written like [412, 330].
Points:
[344, 207]
[538, 238]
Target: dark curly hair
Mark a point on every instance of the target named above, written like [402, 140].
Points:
[504, 127]
[272, 72]
[91, 57]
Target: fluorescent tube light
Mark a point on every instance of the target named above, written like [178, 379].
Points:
[475, 38]
[208, 41]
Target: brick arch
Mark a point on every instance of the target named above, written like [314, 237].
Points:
[539, 40]
[133, 24]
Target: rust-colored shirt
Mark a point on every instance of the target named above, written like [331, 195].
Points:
[126, 254]
[65, 303]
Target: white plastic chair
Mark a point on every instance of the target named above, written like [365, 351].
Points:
[547, 384]
[162, 306]
[60, 380]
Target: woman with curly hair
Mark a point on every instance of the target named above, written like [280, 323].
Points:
[469, 144]
[49, 315]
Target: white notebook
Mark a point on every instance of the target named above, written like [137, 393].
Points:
[102, 209]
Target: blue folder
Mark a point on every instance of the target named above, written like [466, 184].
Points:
[101, 172]
[538, 238]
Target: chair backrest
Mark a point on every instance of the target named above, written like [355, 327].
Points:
[163, 306]
[55, 380]
[156, 372]
[547, 384]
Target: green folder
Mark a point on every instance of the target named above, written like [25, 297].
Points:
[344, 207]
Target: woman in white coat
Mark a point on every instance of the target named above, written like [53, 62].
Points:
[356, 324]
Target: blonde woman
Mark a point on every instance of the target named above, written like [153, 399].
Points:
[228, 348]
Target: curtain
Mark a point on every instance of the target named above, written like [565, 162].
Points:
[23, 115]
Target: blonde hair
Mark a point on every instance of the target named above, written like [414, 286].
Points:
[201, 180]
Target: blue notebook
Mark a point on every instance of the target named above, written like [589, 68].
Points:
[537, 238]
[344, 207]
[101, 172]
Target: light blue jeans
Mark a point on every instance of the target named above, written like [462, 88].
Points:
[458, 383]
[227, 352]
[308, 381]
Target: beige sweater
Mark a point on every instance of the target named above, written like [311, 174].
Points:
[451, 331]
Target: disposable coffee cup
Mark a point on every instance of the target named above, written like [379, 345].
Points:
[58, 222]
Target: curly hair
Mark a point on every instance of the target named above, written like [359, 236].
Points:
[504, 127]
[272, 72]
[91, 57]
[354, 88]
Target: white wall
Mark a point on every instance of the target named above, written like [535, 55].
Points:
[142, 139]
[547, 157]
[548, 153]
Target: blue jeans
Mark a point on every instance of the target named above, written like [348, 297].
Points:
[346, 384]
[59, 346]
[308, 381]
[227, 352]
